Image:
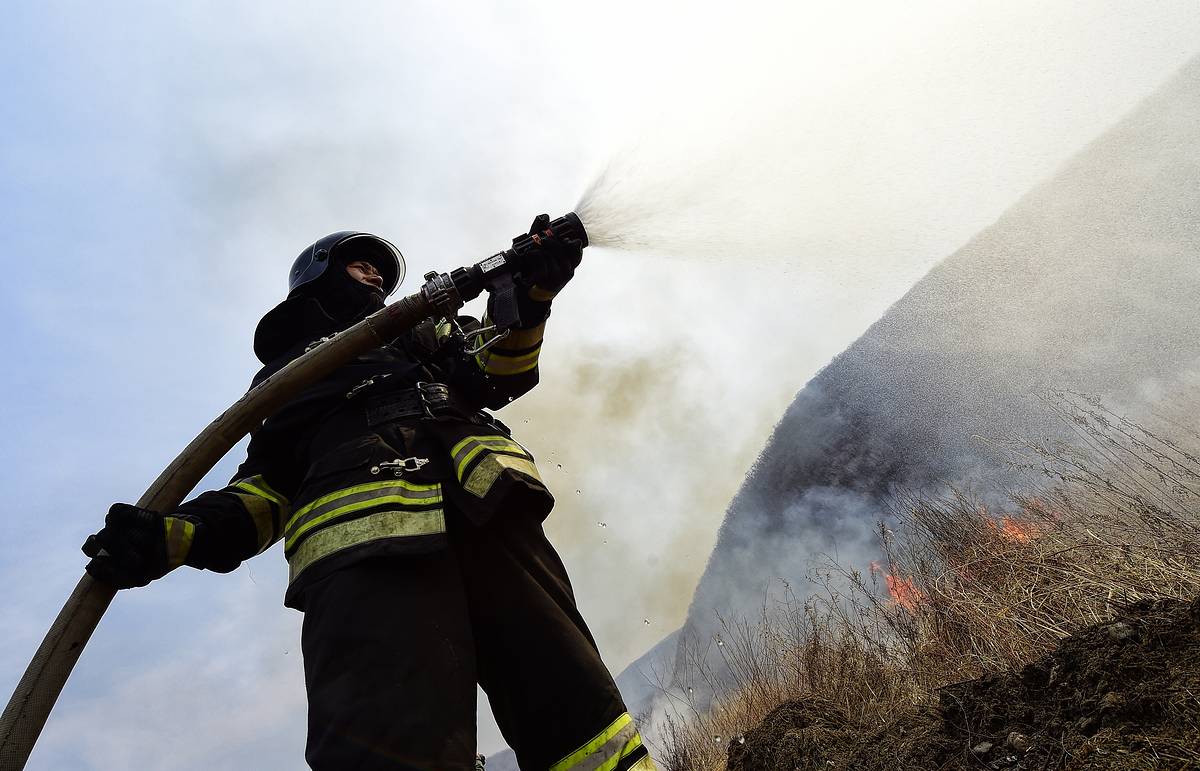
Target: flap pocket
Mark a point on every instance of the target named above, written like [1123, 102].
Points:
[352, 455]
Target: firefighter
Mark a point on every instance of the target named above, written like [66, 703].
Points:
[411, 522]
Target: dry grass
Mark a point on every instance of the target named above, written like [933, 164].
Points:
[1115, 518]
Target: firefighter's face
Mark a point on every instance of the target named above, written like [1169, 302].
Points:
[364, 272]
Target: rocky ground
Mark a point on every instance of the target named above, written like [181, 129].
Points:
[1120, 695]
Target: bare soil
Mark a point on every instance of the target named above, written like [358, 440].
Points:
[1120, 695]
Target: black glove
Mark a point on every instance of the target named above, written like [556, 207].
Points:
[549, 267]
[137, 546]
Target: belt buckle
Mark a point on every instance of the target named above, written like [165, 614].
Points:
[427, 392]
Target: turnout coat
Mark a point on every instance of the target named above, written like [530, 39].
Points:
[367, 461]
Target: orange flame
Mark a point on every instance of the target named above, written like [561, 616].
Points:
[904, 592]
[1015, 530]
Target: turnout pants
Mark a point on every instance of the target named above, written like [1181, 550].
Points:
[393, 648]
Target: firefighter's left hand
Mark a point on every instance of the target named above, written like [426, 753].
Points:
[550, 267]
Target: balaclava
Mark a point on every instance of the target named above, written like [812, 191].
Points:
[344, 298]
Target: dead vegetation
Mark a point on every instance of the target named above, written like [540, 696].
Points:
[869, 670]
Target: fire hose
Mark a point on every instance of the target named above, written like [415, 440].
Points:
[442, 295]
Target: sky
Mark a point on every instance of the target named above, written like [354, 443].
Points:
[775, 175]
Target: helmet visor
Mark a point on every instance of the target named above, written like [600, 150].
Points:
[386, 258]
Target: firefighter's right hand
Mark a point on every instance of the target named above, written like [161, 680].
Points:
[553, 264]
[136, 546]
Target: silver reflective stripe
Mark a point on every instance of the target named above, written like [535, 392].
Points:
[351, 495]
[479, 482]
[357, 498]
[345, 535]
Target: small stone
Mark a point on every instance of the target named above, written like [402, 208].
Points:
[1120, 631]
[1017, 742]
[982, 748]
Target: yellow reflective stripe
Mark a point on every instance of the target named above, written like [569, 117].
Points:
[491, 440]
[461, 465]
[179, 534]
[484, 475]
[421, 490]
[496, 363]
[522, 338]
[256, 485]
[503, 357]
[401, 498]
[262, 511]
[581, 759]
[344, 535]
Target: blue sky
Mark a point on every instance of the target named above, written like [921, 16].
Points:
[162, 164]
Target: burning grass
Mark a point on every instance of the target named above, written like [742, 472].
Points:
[865, 676]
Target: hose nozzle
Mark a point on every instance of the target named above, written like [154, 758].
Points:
[566, 226]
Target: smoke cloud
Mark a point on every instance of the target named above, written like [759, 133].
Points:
[1087, 283]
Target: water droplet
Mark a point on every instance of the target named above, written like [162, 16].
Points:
[646, 621]
[560, 466]
[717, 739]
[689, 689]
[720, 643]
[602, 524]
[579, 492]
[606, 540]
[741, 740]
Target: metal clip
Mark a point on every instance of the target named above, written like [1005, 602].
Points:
[484, 346]
[366, 384]
[400, 466]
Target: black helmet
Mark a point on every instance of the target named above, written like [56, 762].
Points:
[349, 245]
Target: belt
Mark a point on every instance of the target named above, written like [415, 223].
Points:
[425, 400]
